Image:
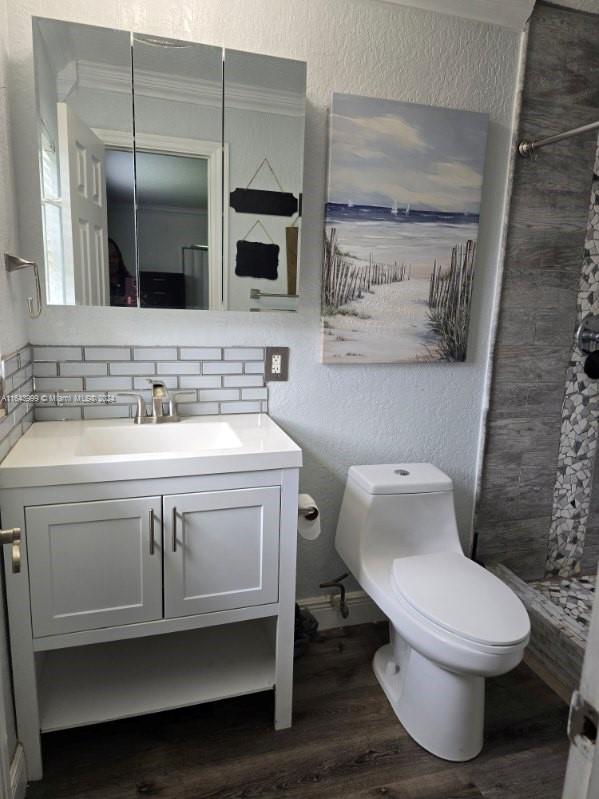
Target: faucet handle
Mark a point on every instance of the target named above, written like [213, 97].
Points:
[172, 406]
[141, 407]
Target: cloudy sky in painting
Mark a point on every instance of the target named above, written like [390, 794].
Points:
[383, 151]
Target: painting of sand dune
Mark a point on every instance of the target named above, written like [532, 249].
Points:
[401, 224]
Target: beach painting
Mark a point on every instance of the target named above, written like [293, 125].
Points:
[402, 212]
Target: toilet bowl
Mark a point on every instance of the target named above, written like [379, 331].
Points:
[451, 622]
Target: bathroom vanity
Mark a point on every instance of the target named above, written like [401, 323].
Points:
[157, 568]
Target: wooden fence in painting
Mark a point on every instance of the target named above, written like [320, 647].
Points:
[449, 301]
[344, 281]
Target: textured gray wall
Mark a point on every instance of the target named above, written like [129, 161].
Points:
[545, 246]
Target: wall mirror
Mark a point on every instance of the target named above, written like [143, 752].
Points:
[171, 172]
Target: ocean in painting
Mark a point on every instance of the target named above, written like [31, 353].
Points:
[417, 237]
[400, 231]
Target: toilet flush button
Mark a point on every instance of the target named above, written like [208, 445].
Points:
[402, 472]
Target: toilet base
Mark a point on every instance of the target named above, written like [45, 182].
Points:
[442, 711]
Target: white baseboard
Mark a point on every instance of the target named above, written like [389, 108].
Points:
[18, 774]
[362, 610]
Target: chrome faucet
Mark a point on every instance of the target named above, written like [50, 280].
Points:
[160, 397]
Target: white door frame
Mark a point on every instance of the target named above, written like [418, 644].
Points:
[582, 773]
[217, 156]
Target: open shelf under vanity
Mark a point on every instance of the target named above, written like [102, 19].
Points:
[115, 680]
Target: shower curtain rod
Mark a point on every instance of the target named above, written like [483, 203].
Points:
[528, 147]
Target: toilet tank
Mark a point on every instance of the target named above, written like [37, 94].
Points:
[394, 511]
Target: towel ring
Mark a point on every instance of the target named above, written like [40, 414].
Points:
[13, 263]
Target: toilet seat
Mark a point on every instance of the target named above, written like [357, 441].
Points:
[458, 595]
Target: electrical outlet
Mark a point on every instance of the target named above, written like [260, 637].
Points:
[277, 364]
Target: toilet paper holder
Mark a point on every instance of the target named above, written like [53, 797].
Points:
[310, 513]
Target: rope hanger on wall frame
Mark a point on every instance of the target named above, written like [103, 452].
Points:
[262, 201]
[255, 258]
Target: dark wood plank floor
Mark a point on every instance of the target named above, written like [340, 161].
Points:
[345, 742]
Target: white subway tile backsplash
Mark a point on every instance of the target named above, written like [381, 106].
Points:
[253, 367]
[240, 407]
[11, 365]
[107, 354]
[106, 411]
[20, 412]
[254, 393]
[198, 409]
[218, 394]
[217, 380]
[178, 368]
[200, 381]
[83, 368]
[45, 369]
[222, 368]
[6, 425]
[26, 355]
[57, 353]
[188, 395]
[50, 384]
[243, 354]
[132, 368]
[14, 435]
[109, 383]
[61, 414]
[243, 381]
[21, 377]
[200, 353]
[155, 353]
[4, 448]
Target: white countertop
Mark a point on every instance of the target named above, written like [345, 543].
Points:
[57, 453]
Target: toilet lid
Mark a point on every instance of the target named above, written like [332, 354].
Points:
[459, 595]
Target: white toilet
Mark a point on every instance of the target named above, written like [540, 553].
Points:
[452, 623]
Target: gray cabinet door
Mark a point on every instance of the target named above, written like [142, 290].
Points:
[221, 550]
[92, 564]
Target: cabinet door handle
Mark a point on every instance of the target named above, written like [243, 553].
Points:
[174, 529]
[13, 537]
[152, 541]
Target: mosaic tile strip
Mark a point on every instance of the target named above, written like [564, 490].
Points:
[579, 428]
[573, 595]
[558, 639]
[75, 382]
[17, 373]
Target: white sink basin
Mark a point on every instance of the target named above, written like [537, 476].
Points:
[169, 438]
[88, 451]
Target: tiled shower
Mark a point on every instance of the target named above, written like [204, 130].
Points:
[537, 512]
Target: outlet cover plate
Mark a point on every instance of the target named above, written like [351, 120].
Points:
[272, 354]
